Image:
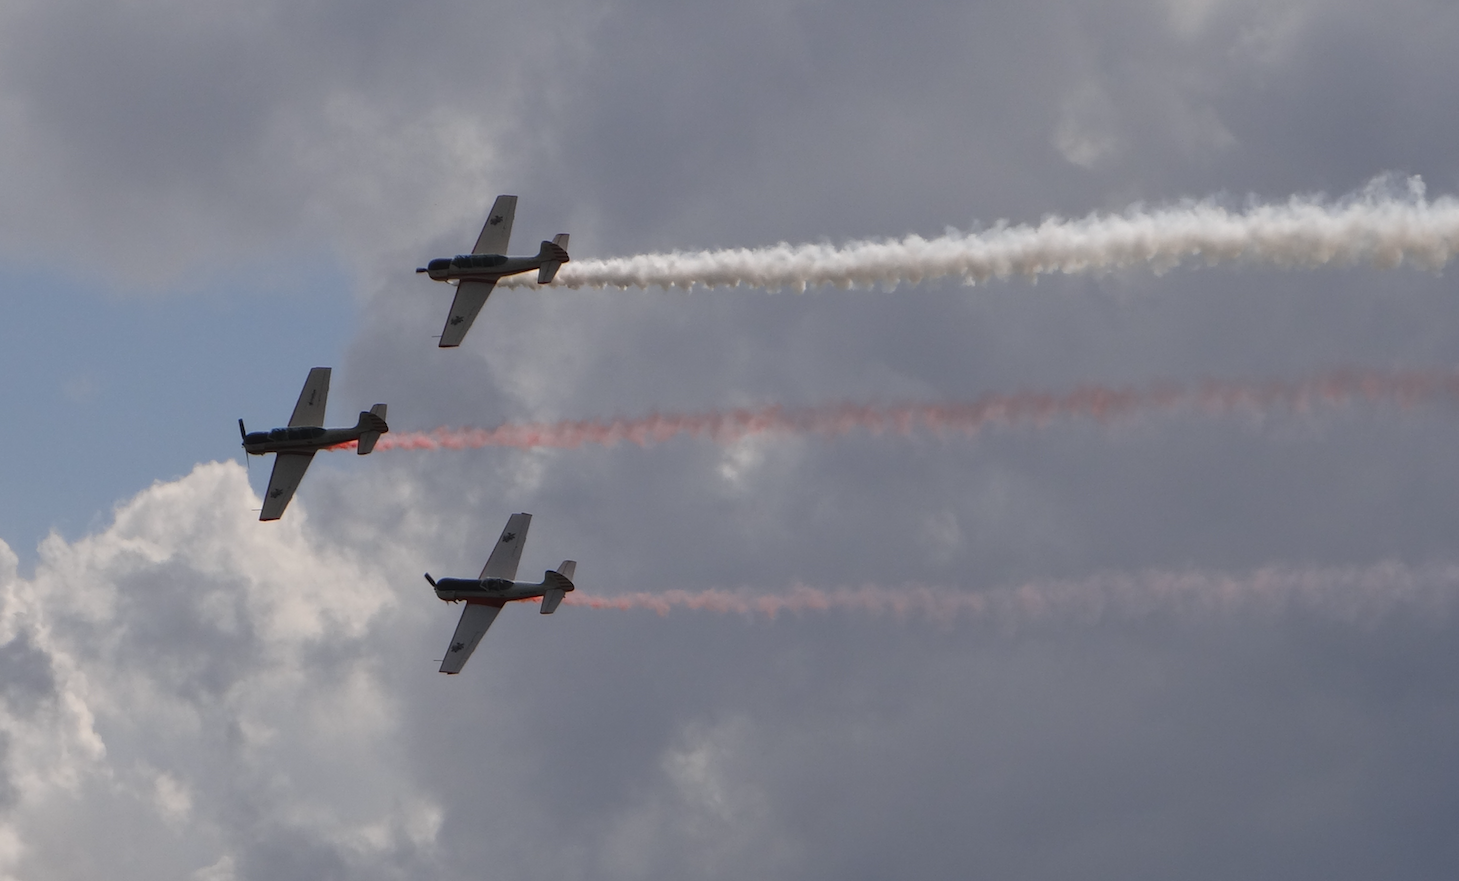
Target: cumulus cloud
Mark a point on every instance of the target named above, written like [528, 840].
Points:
[201, 695]
[209, 680]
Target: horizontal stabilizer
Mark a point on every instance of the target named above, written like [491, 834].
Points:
[552, 254]
[371, 426]
[556, 581]
[557, 585]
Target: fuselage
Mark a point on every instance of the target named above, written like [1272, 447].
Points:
[486, 267]
[305, 439]
[492, 590]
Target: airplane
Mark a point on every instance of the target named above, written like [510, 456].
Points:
[296, 445]
[485, 596]
[478, 272]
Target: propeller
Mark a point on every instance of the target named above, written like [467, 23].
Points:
[430, 579]
[243, 432]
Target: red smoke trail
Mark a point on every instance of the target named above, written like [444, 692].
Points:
[1356, 594]
[1101, 403]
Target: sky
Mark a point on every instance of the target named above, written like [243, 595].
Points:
[1180, 641]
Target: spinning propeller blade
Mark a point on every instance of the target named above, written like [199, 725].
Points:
[243, 432]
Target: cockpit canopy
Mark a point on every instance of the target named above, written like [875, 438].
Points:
[476, 261]
[294, 434]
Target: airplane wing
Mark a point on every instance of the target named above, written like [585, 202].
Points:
[475, 618]
[508, 551]
[310, 409]
[289, 469]
[470, 297]
[498, 230]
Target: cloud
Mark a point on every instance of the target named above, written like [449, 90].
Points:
[211, 679]
[203, 695]
[1087, 133]
[192, 693]
[196, 139]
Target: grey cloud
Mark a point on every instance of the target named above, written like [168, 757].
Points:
[187, 139]
[622, 744]
[1144, 748]
[284, 676]
[26, 672]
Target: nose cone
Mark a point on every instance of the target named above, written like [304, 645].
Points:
[439, 267]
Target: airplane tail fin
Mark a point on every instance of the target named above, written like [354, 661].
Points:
[371, 425]
[552, 255]
[559, 583]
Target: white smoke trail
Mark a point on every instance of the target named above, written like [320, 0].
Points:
[1354, 595]
[1389, 223]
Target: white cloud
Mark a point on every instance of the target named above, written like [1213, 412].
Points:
[231, 662]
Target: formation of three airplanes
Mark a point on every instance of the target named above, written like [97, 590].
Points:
[475, 275]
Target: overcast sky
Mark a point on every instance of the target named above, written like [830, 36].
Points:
[204, 200]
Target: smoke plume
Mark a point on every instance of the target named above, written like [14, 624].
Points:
[1387, 224]
[1352, 594]
[1100, 403]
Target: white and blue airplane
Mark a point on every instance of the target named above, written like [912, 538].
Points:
[475, 274]
[484, 596]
